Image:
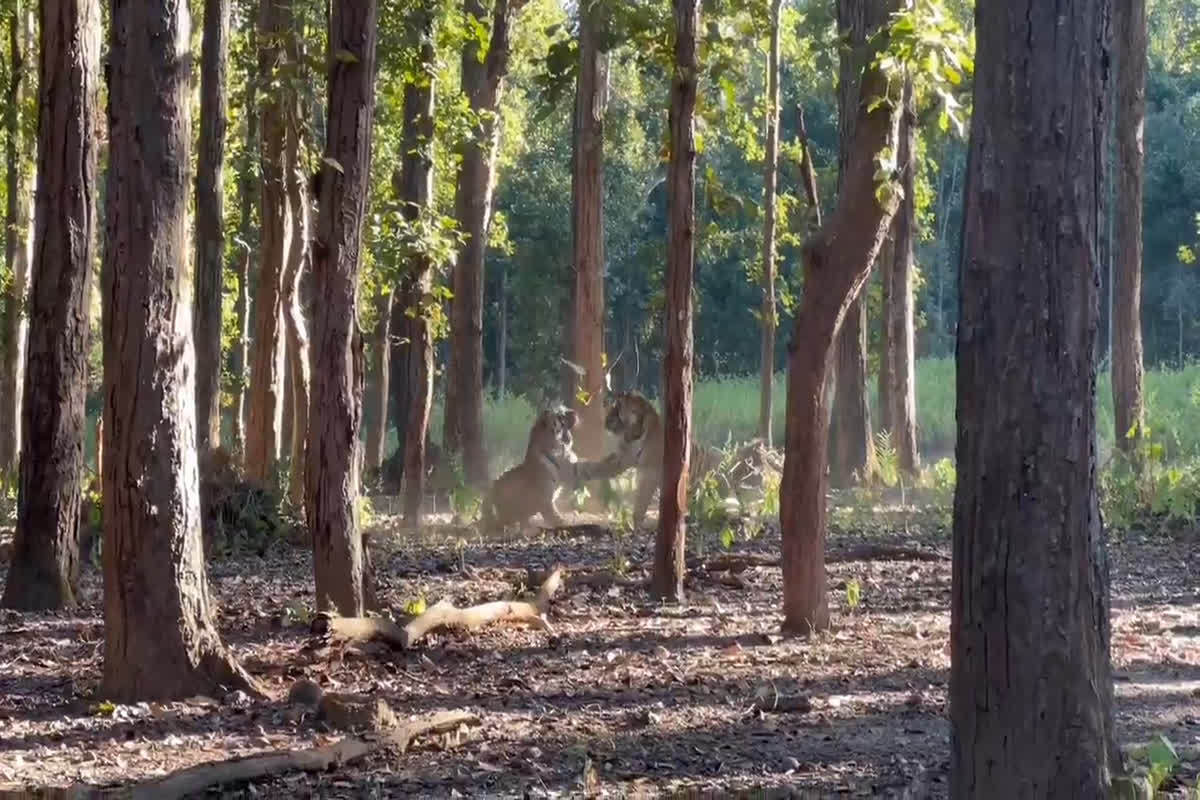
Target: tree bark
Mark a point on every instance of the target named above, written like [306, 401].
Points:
[667, 580]
[766, 406]
[1129, 20]
[239, 358]
[333, 447]
[45, 562]
[887, 355]
[837, 263]
[483, 85]
[1030, 678]
[587, 228]
[416, 195]
[378, 374]
[852, 447]
[210, 223]
[161, 642]
[901, 350]
[18, 242]
[264, 434]
[296, 330]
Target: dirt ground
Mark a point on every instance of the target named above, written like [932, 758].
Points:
[622, 698]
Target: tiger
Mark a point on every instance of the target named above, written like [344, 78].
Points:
[639, 428]
[533, 486]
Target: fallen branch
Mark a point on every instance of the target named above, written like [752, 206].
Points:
[589, 578]
[884, 552]
[197, 779]
[358, 629]
[446, 615]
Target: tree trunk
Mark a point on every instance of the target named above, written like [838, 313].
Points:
[837, 263]
[483, 84]
[45, 562]
[298, 371]
[19, 239]
[852, 448]
[766, 406]
[1030, 677]
[264, 434]
[901, 338]
[502, 340]
[240, 357]
[887, 347]
[416, 195]
[376, 401]
[210, 223]
[333, 447]
[1129, 20]
[667, 581]
[587, 228]
[161, 642]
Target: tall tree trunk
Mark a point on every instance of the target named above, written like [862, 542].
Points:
[264, 434]
[376, 401]
[1030, 676]
[298, 372]
[766, 405]
[502, 340]
[210, 223]
[18, 243]
[587, 229]
[240, 357]
[483, 85]
[1129, 20]
[852, 448]
[45, 561]
[334, 456]
[667, 581]
[887, 355]
[161, 641]
[901, 350]
[416, 196]
[837, 263]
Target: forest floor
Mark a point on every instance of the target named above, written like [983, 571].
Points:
[622, 698]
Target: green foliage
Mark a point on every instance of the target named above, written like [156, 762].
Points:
[853, 593]
[1153, 764]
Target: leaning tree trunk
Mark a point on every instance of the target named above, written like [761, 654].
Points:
[333, 447]
[901, 349]
[667, 580]
[766, 405]
[852, 448]
[295, 328]
[161, 642]
[483, 84]
[1030, 677]
[1129, 20]
[587, 228]
[45, 561]
[837, 263]
[416, 195]
[239, 358]
[210, 223]
[264, 434]
[18, 242]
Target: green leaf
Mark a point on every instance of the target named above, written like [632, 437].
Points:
[345, 57]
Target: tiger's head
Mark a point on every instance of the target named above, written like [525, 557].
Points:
[626, 414]
[553, 432]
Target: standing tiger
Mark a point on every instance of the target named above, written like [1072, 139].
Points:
[635, 420]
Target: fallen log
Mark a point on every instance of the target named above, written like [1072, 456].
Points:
[317, 759]
[740, 562]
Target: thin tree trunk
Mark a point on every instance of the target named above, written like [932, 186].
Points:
[483, 85]
[667, 580]
[901, 351]
[766, 404]
[837, 263]
[1030, 679]
[1129, 20]
[587, 228]
[161, 642]
[376, 401]
[852, 448]
[334, 456]
[210, 223]
[19, 239]
[45, 562]
[298, 372]
[416, 195]
[502, 343]
[264, 432]
[240, 357]
[887, 347]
